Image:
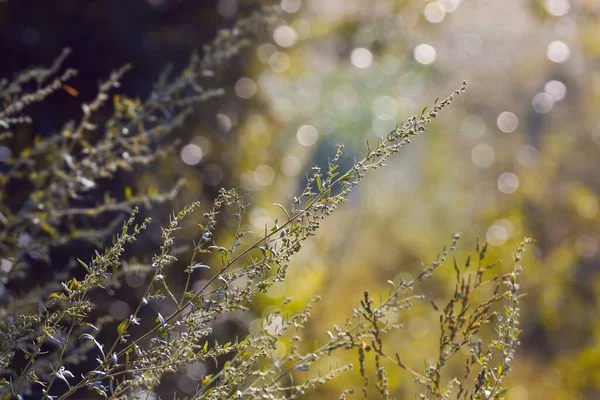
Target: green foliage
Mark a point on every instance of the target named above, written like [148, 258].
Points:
[63, 169]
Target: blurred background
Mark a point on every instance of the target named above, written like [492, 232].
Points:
[516, 156]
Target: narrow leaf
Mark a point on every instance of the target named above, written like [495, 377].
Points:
[282, 209]
[122, 326]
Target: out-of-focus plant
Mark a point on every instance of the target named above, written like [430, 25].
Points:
[521, 159]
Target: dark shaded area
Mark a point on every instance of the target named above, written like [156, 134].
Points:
[104, 35]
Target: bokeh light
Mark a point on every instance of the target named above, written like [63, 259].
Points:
[301, 27]
[425, 54]
[279, 61]
[213, 174]
[291, 165]
[434, 12]
[5, 153]
[587, 206]
[191, 154]
[291, 6]
[508, 183]
[224, 122]
[558, 51]
[227, 8]
[496, 235]
[557, 8]
[385, 107]
[264, 175]
[586, 246]
[265, 51]
[556, 89]
[361, 57]
[528, 156]
[196, 371]
[473, 127]
[307, 135]
[285, 36]
[542, 103]
[245, 88]
[507, 122]
[483, 155]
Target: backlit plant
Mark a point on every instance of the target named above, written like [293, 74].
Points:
[41, 341]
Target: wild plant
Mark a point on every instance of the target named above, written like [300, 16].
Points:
[42, 340]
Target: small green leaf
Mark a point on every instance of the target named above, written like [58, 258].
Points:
[73, 284]
[319, 183]
[207, 379]
[275, 225]
[84, 265]
[283, 209]
[248, 261]
[122, 327]
[346, 177]
[169, 293]
[90, 325]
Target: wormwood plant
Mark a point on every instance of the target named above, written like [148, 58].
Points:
[130, 367]
[62, 176]
[41, 340]
[53, 190]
